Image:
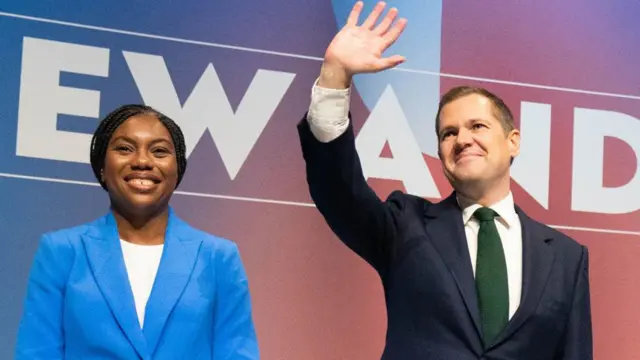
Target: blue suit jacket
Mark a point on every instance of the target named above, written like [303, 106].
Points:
[79, 304]
[420, 251]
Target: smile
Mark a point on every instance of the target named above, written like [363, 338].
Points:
[142, 186]
[142, 183]
[468, 156]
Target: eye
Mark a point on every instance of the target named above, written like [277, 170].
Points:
[122, 148]
[161, 152]
[478, 126]
[446, 134]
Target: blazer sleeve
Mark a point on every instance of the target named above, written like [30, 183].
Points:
[40, 333]
[578, 339]
[353, 211]
[234, 332]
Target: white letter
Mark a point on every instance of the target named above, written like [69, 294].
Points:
[387, 123]
[531, 168]
[590, 129]
[207, 107]
[42, 99]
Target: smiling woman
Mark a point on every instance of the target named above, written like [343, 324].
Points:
[139, 156]
[130, 284]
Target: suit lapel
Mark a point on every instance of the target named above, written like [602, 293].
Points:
[104, 253]
[446, 231]
[178, 260]
[538, 259]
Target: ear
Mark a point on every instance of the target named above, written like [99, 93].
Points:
[102, 175]
[514, 142]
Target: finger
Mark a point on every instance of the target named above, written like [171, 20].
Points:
[352, 20]
[375, 14]
[389, 62]
[392, 35]
[385, 24]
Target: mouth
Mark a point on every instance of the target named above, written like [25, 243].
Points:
[142, 183]
[466, 157]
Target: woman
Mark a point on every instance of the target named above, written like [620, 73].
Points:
[138, 283]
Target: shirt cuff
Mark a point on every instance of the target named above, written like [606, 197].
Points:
[328, 114]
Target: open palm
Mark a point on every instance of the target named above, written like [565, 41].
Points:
[358, 49]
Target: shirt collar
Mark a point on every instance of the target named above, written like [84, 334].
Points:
[505, 209]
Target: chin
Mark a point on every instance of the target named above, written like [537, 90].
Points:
[468, 177]
[141, 207]
[467, 172]
[473, 165]
[144, 201]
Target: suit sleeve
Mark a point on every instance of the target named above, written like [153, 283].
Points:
[40, 333]
[234, 332]
[578, 340]
[350, 207]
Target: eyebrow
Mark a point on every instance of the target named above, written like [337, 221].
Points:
[132, 141]
[475, 120]
[471, 121]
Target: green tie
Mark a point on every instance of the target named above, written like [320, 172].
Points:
[491, 277]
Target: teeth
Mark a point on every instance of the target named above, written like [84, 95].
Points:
[143, 182]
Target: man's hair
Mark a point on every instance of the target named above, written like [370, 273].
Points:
[501, 110]
[114, 119]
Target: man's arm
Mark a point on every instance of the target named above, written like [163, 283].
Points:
[328, 114]
[334, 173]
[578, 340]
[341, 194]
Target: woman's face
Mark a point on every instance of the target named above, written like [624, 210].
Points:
[140, 168]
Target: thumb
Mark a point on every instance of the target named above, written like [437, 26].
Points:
[389, 62]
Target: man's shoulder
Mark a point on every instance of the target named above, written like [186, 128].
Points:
[415, 209]
[561, 241]
[408, 201]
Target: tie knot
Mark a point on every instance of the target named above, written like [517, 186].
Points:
[485, 214]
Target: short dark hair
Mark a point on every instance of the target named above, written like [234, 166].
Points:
[114, 119]
[501, 110]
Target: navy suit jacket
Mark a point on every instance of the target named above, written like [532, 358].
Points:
[79, 304]
[420, 251]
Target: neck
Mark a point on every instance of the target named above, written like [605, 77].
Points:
[483, 195]
[142, 229]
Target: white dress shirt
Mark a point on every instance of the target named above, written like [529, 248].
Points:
[328, 119]
[142, 263]
[508, 224]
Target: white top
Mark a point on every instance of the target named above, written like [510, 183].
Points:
[142, 263]
[328, 119]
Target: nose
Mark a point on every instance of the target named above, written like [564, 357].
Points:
[464, 138]
[142, 161]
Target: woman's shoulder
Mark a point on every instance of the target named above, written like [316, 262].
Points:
[72, 234]
[209, 240]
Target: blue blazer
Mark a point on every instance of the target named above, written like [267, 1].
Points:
[420, 252]
[79, 304]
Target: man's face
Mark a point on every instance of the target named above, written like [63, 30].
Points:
[473, 145]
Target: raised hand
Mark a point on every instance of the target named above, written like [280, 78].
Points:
[358, 49]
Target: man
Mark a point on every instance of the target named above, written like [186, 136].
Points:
[471, 277]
